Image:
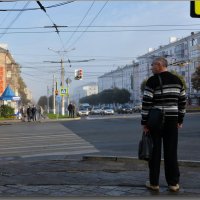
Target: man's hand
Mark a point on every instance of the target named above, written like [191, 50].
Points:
[145, 129]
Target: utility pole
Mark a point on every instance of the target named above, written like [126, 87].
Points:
[47, 99]
[54, 102]
[68, 81]
[60, 53]
[62, 85]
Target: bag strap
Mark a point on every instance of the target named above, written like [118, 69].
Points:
[161, 87]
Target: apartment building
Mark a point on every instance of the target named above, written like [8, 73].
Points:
[83, 91]
[182, 54]
[10, 74]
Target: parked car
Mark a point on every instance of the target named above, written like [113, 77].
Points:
[83, 112]
[137, 108]
[107, 111]
[95, 111]
[125, 109]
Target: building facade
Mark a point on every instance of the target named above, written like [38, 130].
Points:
[183, 56]
[10, 74]
[83, 91]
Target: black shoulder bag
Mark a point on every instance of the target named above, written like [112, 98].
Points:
[156, 117]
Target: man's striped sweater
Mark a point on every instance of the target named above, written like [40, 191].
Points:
[173, 99]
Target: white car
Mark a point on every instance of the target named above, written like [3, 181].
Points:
[107, 111]
[83, 112]
[95, 111]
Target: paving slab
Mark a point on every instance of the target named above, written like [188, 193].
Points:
[95, 177]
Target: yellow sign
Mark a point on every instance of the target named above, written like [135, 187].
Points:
[63, 91]
[195, 9]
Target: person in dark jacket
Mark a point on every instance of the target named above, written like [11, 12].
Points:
[34, 110]
[73, 110]
[70, 109]
[29, 113]
[173, 101]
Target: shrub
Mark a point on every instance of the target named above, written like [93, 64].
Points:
[6, 111]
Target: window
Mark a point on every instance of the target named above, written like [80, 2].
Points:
[179, 50]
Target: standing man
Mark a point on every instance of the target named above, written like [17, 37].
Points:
[73, 110]
[29, 113]
[70, 108]
[34, 114]
[173, 101]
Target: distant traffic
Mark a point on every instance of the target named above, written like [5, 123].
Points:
[86, 109]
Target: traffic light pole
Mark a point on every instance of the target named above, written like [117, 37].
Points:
[47, 99]
[62, 83]
[54, 102]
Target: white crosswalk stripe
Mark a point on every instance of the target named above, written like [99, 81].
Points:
[40, 139]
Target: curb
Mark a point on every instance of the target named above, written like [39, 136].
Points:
[5, 122]
[184, 163]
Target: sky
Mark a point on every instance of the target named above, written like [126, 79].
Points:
[107, 34]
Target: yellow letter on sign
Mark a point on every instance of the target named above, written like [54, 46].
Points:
[195, 9]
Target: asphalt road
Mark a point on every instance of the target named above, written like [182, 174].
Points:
[120, 136]
[96, 135]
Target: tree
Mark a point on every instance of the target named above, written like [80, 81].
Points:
[42, 101]
[181, 78]
[196, 79]
[143, 84]
[108, 96]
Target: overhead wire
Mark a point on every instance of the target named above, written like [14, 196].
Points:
[7, 15]
[107, 26]
[54, 25]
[47, 7]
[89, 24]
[14, 20]
[99, 31]
[80, 23]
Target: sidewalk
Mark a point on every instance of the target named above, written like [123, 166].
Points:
[90, 176]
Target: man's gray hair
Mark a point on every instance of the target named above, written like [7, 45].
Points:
[163, 61]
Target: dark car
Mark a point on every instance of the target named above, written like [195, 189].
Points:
[125, 109]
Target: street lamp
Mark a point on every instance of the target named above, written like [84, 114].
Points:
[61, 54]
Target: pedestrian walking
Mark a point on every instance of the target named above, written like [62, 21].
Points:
[34, 110]
[70, 108]
[40, 112]
[171, 98]
[29, 113]
[23, 113]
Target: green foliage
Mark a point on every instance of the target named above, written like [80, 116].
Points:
[108, 96]
[43, 101]
[181, 78]
[55, 116]
[143, 84]
[6, 111]
[196, 79]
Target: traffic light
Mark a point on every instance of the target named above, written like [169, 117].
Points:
[78, 74]
[56, 92]
[195, 9]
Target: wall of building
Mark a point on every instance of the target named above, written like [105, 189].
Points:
[83, 91]
[183, 56]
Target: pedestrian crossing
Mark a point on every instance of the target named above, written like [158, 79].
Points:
[41, 139]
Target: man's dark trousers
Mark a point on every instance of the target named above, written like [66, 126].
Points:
[169, 136]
